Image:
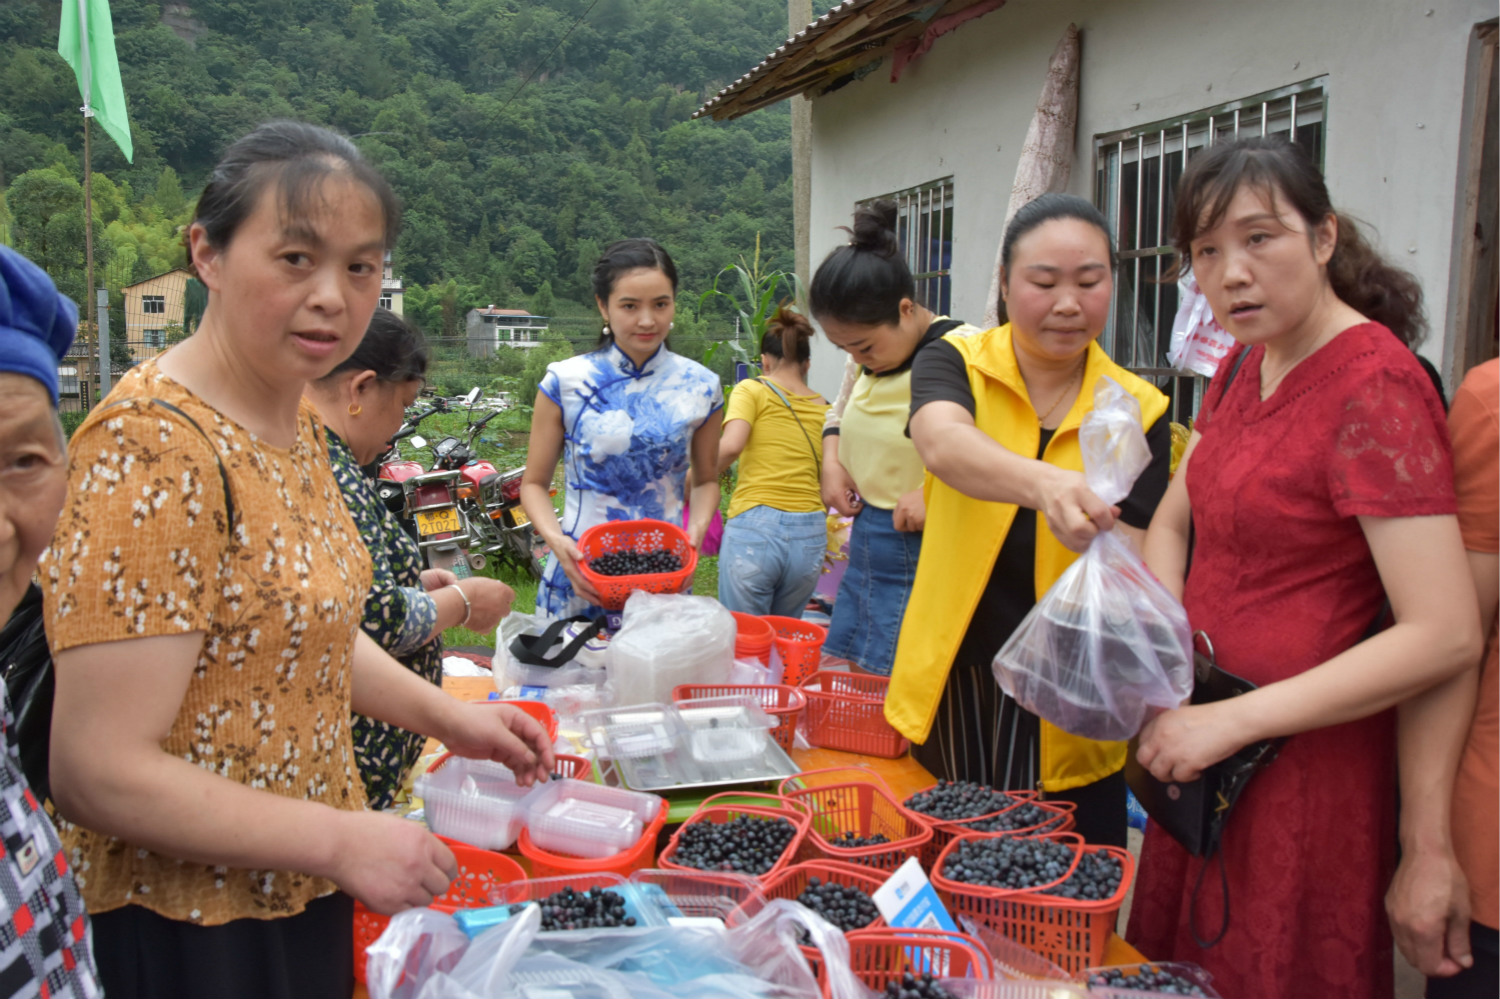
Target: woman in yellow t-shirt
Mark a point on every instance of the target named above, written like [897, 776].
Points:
[776, 534]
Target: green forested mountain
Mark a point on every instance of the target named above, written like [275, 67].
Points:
[510, 190]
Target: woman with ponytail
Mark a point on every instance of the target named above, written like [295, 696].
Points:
[1317, 485]
[864, 297]
[776, 534]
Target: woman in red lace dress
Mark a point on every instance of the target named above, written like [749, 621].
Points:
[1319, 483]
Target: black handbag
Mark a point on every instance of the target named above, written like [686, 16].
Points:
[1195, 811]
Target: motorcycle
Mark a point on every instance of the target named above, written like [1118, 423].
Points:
[425, 501]
[463, 511]
[490, 502]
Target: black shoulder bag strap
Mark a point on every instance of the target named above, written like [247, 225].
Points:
[531, 650]
[30, 683]
[817, 456]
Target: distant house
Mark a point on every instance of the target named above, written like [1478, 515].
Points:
[391, 295]
[152, 307]
[489, 327]
[1394, 99]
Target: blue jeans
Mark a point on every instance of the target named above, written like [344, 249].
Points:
[872, 598]
[770, 560]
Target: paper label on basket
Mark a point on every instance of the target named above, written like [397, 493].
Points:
[531, 694]
[907, 900]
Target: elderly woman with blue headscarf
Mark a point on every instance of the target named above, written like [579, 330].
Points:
[50, 948]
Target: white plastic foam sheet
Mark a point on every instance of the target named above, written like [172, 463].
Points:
[1107, 643]
[667, 639]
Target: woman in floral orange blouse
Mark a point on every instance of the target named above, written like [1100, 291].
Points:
[204, 592]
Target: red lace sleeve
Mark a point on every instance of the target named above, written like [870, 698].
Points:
[1391, 456]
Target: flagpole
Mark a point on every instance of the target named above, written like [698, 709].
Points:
[88, 171]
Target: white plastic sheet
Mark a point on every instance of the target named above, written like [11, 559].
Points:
[1199, 342]
[1107, 643]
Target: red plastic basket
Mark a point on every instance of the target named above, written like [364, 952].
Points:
[781, 702]
[1070, 933]
[636, 536]
[480, 873]
[576, 767]
[538, 710]
[855, 804]
[1060, 820]
[800, 645]
[792, 882]
[764, 806]
[880, 956]
[753, 637]
[847, 711]
[546, 864]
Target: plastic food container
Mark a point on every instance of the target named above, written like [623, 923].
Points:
[1187, 972]
[473, 801]
[647, 741]
[587, 820]
[547, 864]
[688, 897]
[646, 913]
[783, 703]
[725, 729]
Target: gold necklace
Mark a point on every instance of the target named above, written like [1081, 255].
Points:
[1077, 376]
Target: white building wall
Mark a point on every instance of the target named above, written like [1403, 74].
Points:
[1395, 95]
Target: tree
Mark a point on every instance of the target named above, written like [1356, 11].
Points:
[542, 302]
[169, 199]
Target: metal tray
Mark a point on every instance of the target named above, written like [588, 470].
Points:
[679, 770]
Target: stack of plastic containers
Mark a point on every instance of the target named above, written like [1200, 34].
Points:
[478, 802]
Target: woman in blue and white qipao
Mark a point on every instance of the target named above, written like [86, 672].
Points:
[633, 423]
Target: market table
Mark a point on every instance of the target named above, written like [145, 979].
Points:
[903, 776]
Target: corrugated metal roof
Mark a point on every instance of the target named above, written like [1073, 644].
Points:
[828, 52]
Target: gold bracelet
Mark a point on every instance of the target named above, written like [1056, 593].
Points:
[468, 607]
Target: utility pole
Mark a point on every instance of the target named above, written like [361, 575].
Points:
[799, 16]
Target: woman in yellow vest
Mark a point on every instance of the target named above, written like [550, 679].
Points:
[864, 297]
[995, 418]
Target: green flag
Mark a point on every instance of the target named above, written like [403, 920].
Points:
[91, 53]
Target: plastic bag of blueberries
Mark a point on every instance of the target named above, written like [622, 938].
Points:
[1107, 643]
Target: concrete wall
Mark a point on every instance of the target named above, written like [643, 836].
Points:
[1395, 93]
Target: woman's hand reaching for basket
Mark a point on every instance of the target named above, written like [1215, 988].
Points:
[504, 734]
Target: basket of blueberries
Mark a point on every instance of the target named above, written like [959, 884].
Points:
[622, 556]
[1055, 892]
[954, 807]
[1160, 979]
[741, 832]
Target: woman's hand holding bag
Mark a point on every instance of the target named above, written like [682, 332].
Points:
[1107, 643]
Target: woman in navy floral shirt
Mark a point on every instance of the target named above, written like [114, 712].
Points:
[362, 403]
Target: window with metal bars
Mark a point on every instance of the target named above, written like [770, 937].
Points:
[1135, 185]
[924, 230]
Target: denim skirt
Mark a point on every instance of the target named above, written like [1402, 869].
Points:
[872, 598]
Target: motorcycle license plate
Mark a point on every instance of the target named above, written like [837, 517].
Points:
[519, 516]
[437, 521]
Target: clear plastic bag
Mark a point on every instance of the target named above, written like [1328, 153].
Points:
[667, 639]
[1199, 342]
[586, 668]
[424, 955]
[1107, 643]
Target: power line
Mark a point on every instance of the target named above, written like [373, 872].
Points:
[537, 68]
